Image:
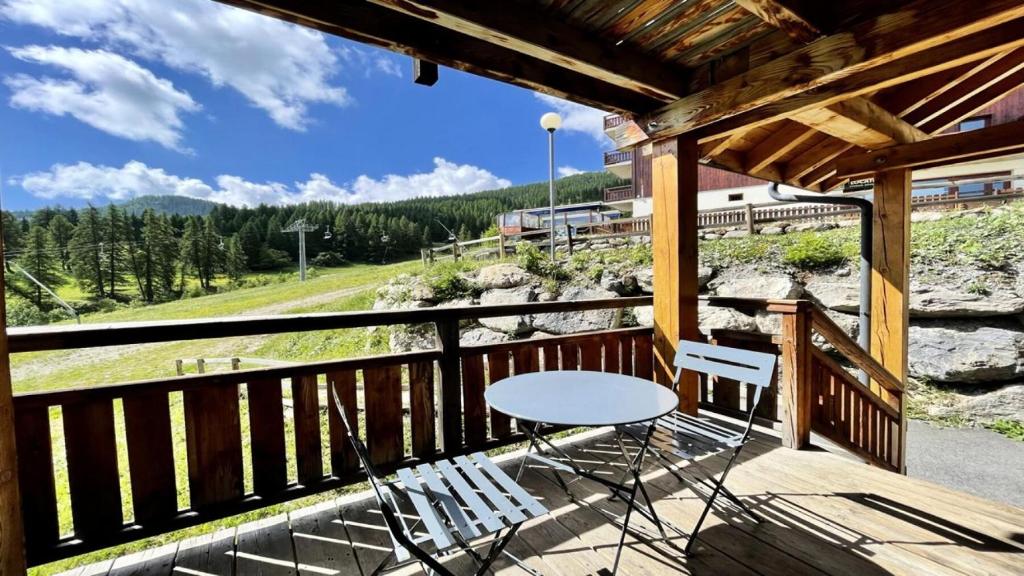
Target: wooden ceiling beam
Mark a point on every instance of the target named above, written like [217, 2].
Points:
[797, 169]
[783, 17]
[905, 98]
[364, 22]
[917, 40]
[861, 122]
[520, 27]
[776, 145]
[978, 144]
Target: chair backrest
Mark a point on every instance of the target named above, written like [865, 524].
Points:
[743, 366]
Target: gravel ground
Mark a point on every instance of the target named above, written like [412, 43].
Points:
[972, 460]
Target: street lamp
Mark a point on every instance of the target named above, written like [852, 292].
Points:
[551, 122]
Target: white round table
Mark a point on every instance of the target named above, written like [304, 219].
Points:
[581, 398]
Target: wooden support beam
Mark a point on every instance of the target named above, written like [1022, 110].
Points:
[988, 142]
[674, 237]
[12, 535]
[775, 146]
[890, 280]
[861, 122]
[379, 26]
[919, 26]
[782, 17]
[520, 27]
[799, 167]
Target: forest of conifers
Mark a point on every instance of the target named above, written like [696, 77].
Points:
[146, 250]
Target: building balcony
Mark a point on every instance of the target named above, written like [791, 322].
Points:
[619, 162]
[619, 193]
[613, 120]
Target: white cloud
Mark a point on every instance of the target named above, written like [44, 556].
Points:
[370, 61]
[106, 91]
[577, 117]
[86, 181]
[564, 171]
[279, 67]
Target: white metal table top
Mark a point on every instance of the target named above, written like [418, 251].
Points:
[581, 398]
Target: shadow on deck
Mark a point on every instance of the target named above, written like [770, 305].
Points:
[824, 515]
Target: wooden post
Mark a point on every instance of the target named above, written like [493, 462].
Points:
[796, 385]
[749, 214]
[890, 281]
[674, 237]
[450, 409]
[12, 535]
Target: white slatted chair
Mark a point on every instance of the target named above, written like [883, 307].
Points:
[459, 503]
[688, 437]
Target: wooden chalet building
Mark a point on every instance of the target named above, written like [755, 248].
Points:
[803, 92]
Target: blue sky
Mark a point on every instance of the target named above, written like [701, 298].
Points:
[107, 99]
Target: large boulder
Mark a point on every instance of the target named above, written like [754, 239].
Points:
[645, 280]
[644, 315]
[479, 336]
[508, 324]
[754, 285]
[718, 318]
[1006, 402]
[412, 338]
[838, 296]
[939, 302]
[502, 276]
[967, 351]
[582, 321]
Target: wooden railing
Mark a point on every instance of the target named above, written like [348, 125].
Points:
[235, 425]
[416, 407]
[617, 157]
[618, 193]
[613, 120]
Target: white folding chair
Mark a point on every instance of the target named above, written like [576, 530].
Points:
[687, 437]
[459, 503]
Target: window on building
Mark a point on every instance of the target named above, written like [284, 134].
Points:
[737, 197]
[973, 123]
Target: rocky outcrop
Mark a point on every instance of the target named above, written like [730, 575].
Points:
[969, 352]
[838, 296]
[508, 324]
[411, 338]
[940, 302]
[502, 276]
[717, 318]
[742, 285]
[479, 336]
[583, 321]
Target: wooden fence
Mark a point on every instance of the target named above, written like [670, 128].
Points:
[433, 397]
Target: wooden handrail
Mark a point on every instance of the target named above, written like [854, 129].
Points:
[835, 336]
[850, 380]
[33, 339]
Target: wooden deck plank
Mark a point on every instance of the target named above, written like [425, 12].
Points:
[321, 541]
[825, 514]
[264, 548]
[152, 562]
[212, 553]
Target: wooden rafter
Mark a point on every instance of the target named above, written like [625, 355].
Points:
[782, 17]
[370, 24]
[981, 79]
[961, 147]
[861, 122]
[518, 26]
[781, 142]
[905, 98]
[977, 102]
[798, 171]
[920, 26]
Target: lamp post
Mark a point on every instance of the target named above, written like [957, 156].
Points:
[551, 122]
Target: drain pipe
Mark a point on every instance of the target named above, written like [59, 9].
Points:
[866, 208]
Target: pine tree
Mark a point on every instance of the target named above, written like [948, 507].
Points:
[212, 253]
[235, 259]
[85, 252]
[249, 238]
[115, 249]
[12, 232]
[39, 258]
[191, 251]
[154, 264]
[61, 230]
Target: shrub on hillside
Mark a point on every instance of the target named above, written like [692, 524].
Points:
[449, 282]
[531, 259]
[328, 260]
[813, 251]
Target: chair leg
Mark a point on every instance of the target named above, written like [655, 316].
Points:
[383, 564]
[711, 502]
[497, 548]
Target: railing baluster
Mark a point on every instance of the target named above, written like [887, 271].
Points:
[92, 468]
[147, 422]
[35, 476]
[214, 445]
[451, 391]
[306, 414]
[421, 409]
[497, 369]
[382, 389]
[474, 408]
[266, 432]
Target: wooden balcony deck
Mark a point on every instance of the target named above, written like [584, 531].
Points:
[826, 514]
